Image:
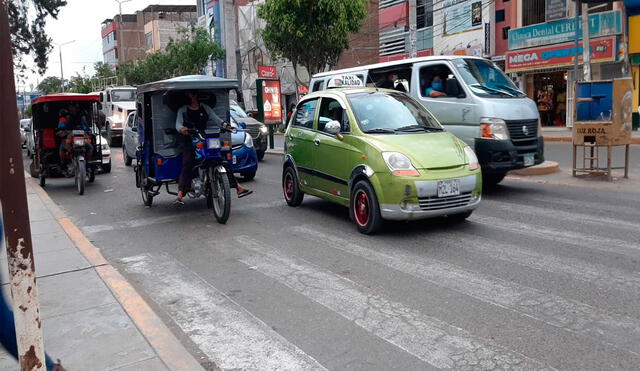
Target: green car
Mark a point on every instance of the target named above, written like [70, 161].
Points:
[380, 153]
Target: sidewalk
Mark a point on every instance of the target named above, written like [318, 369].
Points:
[562, 134]
[92, 318]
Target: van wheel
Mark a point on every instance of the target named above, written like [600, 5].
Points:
[491, 180]
[291, 187]
[365, 209]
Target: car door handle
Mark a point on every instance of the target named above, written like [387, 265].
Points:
[316, 142]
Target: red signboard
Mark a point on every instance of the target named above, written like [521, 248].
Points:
[271, 103]
[267, 72]
[602, 50]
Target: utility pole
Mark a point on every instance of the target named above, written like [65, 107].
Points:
[586, 59]
[14, 216]
[576, 54]
[61, 70]
[413, 33]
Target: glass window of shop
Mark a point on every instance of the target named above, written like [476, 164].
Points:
[549, 91]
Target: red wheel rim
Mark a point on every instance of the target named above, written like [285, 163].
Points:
[288, 187]
[361, 208]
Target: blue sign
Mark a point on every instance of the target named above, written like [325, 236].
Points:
[600, 24]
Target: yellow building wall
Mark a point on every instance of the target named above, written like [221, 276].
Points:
[634, 34]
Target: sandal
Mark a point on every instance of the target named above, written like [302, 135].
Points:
[245, 193]
[179, 201]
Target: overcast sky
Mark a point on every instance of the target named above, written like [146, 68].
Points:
[80, 21]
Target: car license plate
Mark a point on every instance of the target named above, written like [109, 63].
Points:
[235, 159]
[529, 159]
[450, 187]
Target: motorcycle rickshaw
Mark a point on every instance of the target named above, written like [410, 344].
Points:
[159, 152]
[85, 155]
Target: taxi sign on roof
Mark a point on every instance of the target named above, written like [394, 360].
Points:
[345, 81]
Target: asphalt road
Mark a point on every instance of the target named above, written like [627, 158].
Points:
[541, 276]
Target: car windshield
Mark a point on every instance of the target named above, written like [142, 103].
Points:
[123, 95]
[391, 113]
[485, 79]
[237, 112]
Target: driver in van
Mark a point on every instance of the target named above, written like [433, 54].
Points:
[436, 89]
[195, 116]
[72, 118]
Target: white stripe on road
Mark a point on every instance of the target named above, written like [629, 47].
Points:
[566, 216]
[224, 331]
[617, 209]
[620, 331]
[178, 216]
[610, 245]
[597, 274]
[433, 341]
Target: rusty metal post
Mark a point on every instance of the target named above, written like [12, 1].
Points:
[15, 215]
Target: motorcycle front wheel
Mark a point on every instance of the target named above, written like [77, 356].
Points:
[220, 195]
[81, 176]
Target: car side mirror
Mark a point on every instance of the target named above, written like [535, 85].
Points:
[453, 89]
[332, 127]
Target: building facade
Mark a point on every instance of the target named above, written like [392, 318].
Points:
[132, 36]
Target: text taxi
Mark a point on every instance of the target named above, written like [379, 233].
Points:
[380, 153]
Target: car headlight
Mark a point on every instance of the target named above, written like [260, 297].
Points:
[399, 164]
[247, 140]
[213, 143]
[494, 128]
[471, 158]
[263, 129]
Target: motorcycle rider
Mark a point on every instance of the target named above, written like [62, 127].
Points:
[195, 115]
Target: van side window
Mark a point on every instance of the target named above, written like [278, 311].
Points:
[330, 110]
[434, 79]
[318, 85]
[397, 78]
[306, 113]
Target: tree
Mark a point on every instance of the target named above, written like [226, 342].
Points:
[187, 55]
[103, 70]
[311, 33]
[28, 36]
[50, 85]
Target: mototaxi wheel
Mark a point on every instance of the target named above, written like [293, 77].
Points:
[80, 176]
[221, 195]
[145, 190]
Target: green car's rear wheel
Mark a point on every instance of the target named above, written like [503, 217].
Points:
[290, 187]
[365, 209]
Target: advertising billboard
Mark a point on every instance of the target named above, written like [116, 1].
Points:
[271, 104]
[461, 16]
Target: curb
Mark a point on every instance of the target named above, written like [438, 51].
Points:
[634, 140]
[547, 167]
[275, 152]
[172, 353]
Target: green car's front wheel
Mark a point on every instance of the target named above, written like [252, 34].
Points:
[365, 209]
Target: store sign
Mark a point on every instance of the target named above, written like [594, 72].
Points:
[555, 9]
[487, 38]
[634, 34]
[272, 107]
[267, 72]
[600, 24]
[461, 15]
[602, 50]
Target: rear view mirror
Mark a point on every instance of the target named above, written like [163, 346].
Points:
[332, 127]
[453, 90]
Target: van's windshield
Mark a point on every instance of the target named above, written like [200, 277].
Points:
[485, 80]
[123, 95]
[391, 113]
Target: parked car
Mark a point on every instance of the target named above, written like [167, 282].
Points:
[24, 124]
[244, 159]
[256, 129]
[129, 139]
[380, 153]
[30, 145]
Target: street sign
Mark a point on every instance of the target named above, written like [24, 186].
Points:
[267, 72]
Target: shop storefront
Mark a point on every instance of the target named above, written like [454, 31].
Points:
[543, 57]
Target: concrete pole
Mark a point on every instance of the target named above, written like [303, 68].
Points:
[413, 33]
[576, 23]
[14, 216]
[586, 59]
[61, 73]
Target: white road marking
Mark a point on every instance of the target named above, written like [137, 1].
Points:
[590, 204]
[610, 245]
[597, 274]
[574, 217]
[431, 340]
[571, 315]
[223, 330]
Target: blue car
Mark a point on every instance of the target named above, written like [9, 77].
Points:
[244, 160]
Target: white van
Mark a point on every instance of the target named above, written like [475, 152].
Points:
[477, 102]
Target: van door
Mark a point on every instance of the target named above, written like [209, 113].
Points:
[458, 114]
[299, 140]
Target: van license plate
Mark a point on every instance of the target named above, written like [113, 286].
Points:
[529, 159]
[450, 187]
